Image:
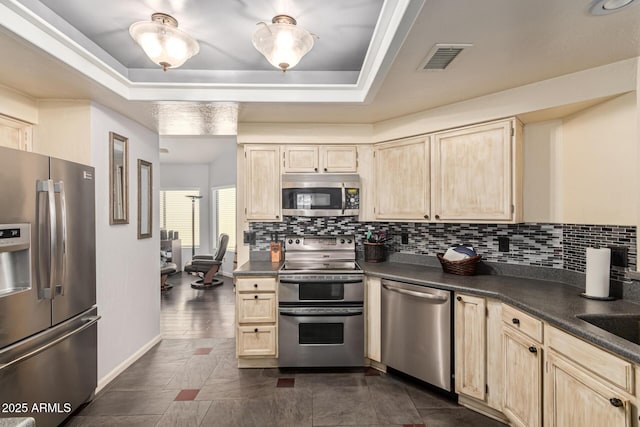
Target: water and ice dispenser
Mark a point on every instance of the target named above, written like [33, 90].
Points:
[15, 258]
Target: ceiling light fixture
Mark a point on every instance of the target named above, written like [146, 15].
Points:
[163, 42]
[282, 42]
[603, 7]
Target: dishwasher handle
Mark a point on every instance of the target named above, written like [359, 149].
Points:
[436, 299]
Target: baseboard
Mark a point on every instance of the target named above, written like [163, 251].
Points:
[225, 274]
[104, 381]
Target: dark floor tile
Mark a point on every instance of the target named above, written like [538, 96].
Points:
[343, 406]
[194, 373]
[393, 404]
[145, 377]
[186, 395]
[456, 417]
[184, 414]
[131, 403]
[286, 382]
[114, 421]
[320, 381]
[371, 372]
[238, 388]
[423, 398]
[240, 413]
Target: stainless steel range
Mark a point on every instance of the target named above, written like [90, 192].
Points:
[321, 303]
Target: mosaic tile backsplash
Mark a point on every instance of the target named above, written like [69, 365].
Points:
[560, 246]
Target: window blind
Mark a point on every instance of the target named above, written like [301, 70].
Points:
[226, 214]
[175, 214]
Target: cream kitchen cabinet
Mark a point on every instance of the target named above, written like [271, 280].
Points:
[471, 174]
[256, 320]
[476, 173]
[401, 180]
[478, 364]
[522, 361]
[585, 386]
[262, 182]
[324, 158]
[373, 295]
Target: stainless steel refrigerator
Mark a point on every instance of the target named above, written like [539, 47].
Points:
[48, 313]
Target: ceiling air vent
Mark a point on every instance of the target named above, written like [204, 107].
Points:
[441, 55]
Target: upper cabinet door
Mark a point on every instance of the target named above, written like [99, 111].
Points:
[474, 173]
[401, 173]
[339, 158]
[262, 187]
[300, 158]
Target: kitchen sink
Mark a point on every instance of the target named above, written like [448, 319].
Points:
[623, 325]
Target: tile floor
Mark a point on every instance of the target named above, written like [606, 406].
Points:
[191, 379]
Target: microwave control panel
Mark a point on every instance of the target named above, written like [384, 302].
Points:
[352, 196]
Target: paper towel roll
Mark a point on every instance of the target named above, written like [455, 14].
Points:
[598, 261]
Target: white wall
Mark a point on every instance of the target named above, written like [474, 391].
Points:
[600, 151]
[222, 173]
[542, 192]
[128, 287]
[191, 176]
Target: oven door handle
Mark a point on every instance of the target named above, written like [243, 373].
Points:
[434, 298]
[300, 281]
[304, 312]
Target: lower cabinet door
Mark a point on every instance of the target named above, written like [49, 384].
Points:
[256, 308]
[257, 340]
[522, 379]
[574, 398]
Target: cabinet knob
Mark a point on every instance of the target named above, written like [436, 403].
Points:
[277, 216]
[437, 216]
[426, 216]
[316, 169]
[515, 321]
[255, 285]
[459, 298]
[255, 297]
[533, 349]
[325, 169]
[616, 402]
[255, 330]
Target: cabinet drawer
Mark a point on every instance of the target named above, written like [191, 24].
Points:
[528, 325]
[610, 368]
[256, 307]
[256, 284]
[256, 340]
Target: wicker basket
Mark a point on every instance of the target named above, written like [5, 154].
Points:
[463, 267]
[373, 252]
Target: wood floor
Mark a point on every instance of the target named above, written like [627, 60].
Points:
[191, 379]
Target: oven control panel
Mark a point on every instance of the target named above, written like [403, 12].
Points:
[312, 243]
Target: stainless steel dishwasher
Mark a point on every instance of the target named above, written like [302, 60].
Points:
[416, 332]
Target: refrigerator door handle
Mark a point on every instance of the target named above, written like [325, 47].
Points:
[46, 186]
[61, 256]
[90, 321]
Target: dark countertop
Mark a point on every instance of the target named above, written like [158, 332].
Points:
[257, 268]
[555, 302]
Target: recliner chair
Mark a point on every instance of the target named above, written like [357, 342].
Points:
[207, 266]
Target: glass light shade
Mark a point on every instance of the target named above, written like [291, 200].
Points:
[282, 44]
[164, 43]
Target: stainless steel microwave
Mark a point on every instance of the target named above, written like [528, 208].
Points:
[320, 195]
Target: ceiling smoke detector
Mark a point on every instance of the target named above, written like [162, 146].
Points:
[441, 55]
[604, 7]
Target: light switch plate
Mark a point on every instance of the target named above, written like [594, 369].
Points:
[249, 237]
